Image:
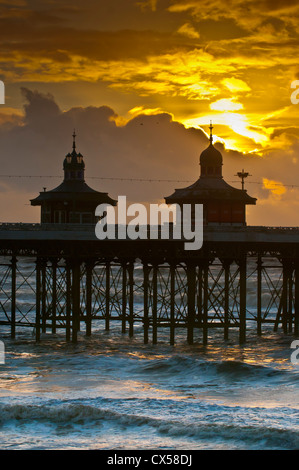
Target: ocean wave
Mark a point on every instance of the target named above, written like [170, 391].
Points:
[230, 369]
[253, 436]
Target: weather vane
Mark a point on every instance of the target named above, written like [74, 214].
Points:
[74, 140]
[211, 133]
[242, 174]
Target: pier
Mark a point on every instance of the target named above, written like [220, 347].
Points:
[61, 277]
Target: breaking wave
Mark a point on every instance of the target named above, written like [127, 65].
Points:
[81, 414]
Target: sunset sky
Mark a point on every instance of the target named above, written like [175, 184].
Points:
[140, 81]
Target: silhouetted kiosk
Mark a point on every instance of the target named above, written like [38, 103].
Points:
[222, 203]
[73, 201]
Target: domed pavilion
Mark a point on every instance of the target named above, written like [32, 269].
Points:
[73, 201]
[222, 204]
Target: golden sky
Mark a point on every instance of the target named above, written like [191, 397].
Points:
[191, 61]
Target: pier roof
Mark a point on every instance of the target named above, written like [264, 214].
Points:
[205, 189]
[72, 190]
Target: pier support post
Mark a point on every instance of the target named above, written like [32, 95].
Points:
[155, 302]
[172, 303]
[107, 297]
[226, 266]
[124, 297]
[259, 294]
[44, 294]
[38, 299]
[54, 294]
[145, 302]
[13, 297]
[290, 300]
[285, 285]
[131, 299]
[191, 281]
[75, 300]
[205, 302]
[89, 268]
[242, 330]
[199, 304]
[68, 301]
[296, 313]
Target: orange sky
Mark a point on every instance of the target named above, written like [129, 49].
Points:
[107, 67]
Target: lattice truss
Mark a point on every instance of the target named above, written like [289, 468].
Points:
[108, 297]
[217, 292]
[112, 287]
[171, 289]
[5, 291]
[54, 289]
[270, 278]
[176, 291]
[17, 291]
[107, 286]
[25, 291]
[108, 281]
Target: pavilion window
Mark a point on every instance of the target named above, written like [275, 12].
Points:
[59, 217]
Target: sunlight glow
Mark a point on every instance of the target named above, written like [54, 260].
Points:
[226, 104]
[235, 85]
[239, 124]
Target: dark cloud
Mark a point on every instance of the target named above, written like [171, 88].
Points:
[111, 30]
[61, 44]
[39, 108]
[147, 146]
[118, 30]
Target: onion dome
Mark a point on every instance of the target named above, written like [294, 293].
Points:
[73, 164]
[211, 160]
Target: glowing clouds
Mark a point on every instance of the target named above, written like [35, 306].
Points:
[188, 30]
[235, 85]
[226, 104]
[276, 188]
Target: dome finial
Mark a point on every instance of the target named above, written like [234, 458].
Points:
[211, 133]
[74, 140]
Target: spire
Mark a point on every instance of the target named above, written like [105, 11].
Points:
[74, 140]
[211, 133]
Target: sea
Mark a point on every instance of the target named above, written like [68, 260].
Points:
[112, 392]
